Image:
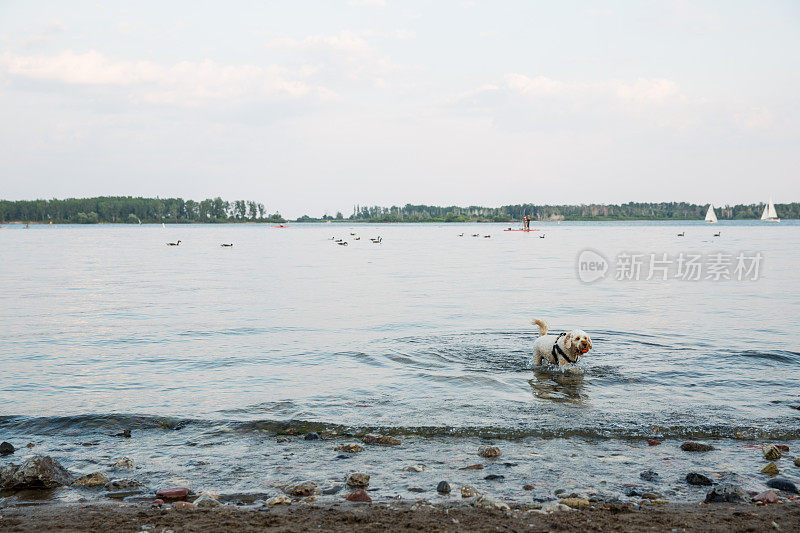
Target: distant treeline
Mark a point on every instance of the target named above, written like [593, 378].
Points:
[128, 209]
[511, 213]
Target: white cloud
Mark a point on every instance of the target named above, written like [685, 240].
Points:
[184, 83]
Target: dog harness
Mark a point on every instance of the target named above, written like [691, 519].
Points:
[558, 351]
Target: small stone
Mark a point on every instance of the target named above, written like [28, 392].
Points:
[414, 468]
[172, 494]
[693, 478]
[95, 479]
[30, 445]
[280, 499]
[575, 502]
[726, 492]
[156, 503]
[770, 469]
[782, 447]
[358, 481]
[207, 500]
[416, 489]
[797, 461]
[310, 499]
[125, 434]
[126, 463]
[489, 451]
[552, 507]
[122, 484]
[782, 484]
[282, 440]
[649, 475]
[472, 467]
[311, 436]
[771, 452]
[766, 497]
[350, 448]
[443, 487]
[183, 506]
[309, 488]
[332, 490]
[690, 446]
[6, 448]
[528, 487]
[468, 491]
[359, 495]
[494, 477]
[653, 442]
[381, 440]
[490, 503]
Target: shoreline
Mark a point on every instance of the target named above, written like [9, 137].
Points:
[401, 516]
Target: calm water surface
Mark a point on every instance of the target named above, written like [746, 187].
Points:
[427, 333]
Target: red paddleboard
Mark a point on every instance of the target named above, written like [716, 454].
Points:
[281, 226]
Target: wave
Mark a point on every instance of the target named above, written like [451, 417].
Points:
[83, 425]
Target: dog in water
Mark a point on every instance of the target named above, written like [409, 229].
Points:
[566, 348]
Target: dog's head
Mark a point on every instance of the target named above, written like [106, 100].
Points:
[578, 342]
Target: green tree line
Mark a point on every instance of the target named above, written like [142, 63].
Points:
[128, 209]
[511, 213]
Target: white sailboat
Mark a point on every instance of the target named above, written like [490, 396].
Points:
[769, 214]
[711, 216]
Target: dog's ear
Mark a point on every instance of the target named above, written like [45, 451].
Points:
[589, 341]
[568, 340]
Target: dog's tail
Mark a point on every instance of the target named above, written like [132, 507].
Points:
[542, 326]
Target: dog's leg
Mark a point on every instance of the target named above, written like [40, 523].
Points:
[537, 359]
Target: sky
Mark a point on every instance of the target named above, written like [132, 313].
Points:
[312, 107]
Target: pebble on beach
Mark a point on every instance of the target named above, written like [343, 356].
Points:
[690, 446]
[207, 500]
[653, 442]
[771, 452]
[649, 475]
[311, 436]
[184, 506]
[126, 463]
[349, 448]
[495, 477]
[381, 440]
[414, 468]
[6, 448]
[726, 492]
[359, 495]
[308, 488]
[767, 496]
[358, 480]
[490, 503]
[693, 478]
[95, 479]
[528, 487]
[443, 487]
[770, 469]
[489, 451]
[472, 467]
[575, 502]
[797, 461]
[172, 494]
[280, 499]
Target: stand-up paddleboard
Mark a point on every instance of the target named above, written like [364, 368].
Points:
[509, 229]
[281, 226]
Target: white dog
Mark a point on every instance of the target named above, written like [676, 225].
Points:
[559, 349]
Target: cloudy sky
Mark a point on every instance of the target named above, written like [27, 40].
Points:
[315, 106]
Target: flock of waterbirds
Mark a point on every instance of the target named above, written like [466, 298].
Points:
[683, 234]
[355, 237]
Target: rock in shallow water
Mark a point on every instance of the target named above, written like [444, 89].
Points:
[309, 488]
[359, 495]
[770, 469]
[468, 491]
[123, 484]
[38, 472]
[653, 442]
[782, 484]
[726, 492]
[699, 480]
[771, 452]
[472, 467]
[126, 463]
[494, 477]
[490, 503]
[797, 461]
[95, 479]
[358, 480]
[6, 448]
[443, 487]
[649, 475]
[311, 436]
[280, 499]
[766, 497]
[489, 451]
[690, 446]
[350, 448]
[380, 440]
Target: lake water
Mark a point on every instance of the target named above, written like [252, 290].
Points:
[426, 335]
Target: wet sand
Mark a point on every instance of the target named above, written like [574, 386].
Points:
[380, 517]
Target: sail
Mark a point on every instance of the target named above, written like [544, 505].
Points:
[711, 216]
[771, 212]
[765, 215]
